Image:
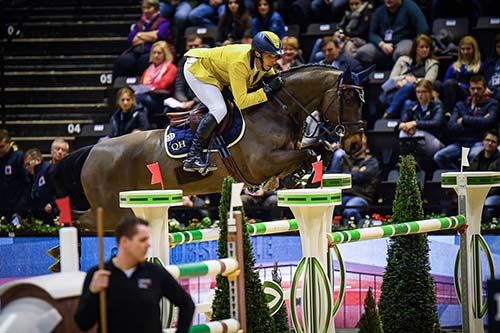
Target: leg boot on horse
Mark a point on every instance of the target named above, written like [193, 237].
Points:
[194, 161]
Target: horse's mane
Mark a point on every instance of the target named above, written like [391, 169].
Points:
[292, 70]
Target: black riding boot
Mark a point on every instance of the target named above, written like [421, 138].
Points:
[194, 161]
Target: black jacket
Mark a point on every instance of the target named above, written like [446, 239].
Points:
[14, 183]
[124, 123]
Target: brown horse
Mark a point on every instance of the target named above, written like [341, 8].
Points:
[268, 148]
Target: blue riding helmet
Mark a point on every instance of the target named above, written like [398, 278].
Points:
[267, 42]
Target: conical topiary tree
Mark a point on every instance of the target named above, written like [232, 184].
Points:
[408, 301]
[258, 317]
[370, 319]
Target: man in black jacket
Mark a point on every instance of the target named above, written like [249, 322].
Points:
[133, 287]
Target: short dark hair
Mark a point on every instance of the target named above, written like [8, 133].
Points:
[329, 39]
[491, 132]
[4, 135]
[34, 153]
[127, 227]
[478, 78]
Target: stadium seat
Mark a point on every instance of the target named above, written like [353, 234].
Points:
[293, 30]
[485, 31]
[459, 27]
[208, 34]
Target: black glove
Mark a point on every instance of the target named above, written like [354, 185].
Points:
[274, 85]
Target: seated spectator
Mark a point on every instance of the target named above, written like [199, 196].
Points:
[488, 159]
[467, 124]
[258, 198]
[183, 92]
[493, 71]
[159, 79]
[128, 118]
[364, 170]
[393, 27]
[58, 150]
[14, 181]
[267, 19]
[177, 12]
[407, 71]
[203, 14]
[423, 119]
[43, 206]
[235, 23]
[456, 80]
[327, 10]
[150, 28]
[291, 55]
[335, 57]
[354, 26]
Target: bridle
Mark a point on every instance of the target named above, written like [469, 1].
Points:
[342, 126]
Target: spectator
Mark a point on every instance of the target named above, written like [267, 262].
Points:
[488, 159]
[183, 92]
[493, 71]
[407, 71]
[58, 150]
[328, 10]
[203, 14]
[128, 118]
[266, 18]
[235, 23]
[150, 28]
[424, 119]
[364, 170]
[14, 181]
[335, 57]
[258, 198]
[354, 26]
[159, 79]
[468, 121]
[392, 29]
[177, 12]
[291, 55]
[133, 287]
[43, 206]
[456, 80]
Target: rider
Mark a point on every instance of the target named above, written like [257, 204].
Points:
[238, 66]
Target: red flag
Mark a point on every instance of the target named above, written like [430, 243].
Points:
[64, 210]
[318, 172]
[154, 168]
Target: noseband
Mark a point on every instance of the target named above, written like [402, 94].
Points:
[342, 126]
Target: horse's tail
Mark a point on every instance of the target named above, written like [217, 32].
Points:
[67, 181]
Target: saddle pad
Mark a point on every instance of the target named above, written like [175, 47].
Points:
[178, 140]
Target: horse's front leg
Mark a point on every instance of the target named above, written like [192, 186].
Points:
[291, 160]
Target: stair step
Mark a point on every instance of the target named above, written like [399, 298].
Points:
[52, 128]
[43, 95]
[58, 78]
[43, 142]
[66, 46]
[131, 18]
[61, 108]
[73, 117]
[64, 9]
[75, 29]
[41, 67]
[60, 60]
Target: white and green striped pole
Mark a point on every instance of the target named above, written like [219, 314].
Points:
[222, 326]
[313, 209]
[398, 229]
[472, 189]
[223, 266]
[256, 229]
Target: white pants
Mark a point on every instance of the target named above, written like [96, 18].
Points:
[208, 94]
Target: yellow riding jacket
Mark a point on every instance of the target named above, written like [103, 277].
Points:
[230, 65]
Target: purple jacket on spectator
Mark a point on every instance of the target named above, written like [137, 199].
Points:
[156, 23]
[475, 121]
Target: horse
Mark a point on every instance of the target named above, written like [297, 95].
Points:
[269, 147]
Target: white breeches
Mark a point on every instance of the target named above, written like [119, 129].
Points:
[208, 94]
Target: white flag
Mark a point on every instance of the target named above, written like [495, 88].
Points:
[465, 153]
[236, 194]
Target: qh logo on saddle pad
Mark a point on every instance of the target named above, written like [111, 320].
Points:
[179, 139]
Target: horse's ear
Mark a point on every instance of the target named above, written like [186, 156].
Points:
[360, 77]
